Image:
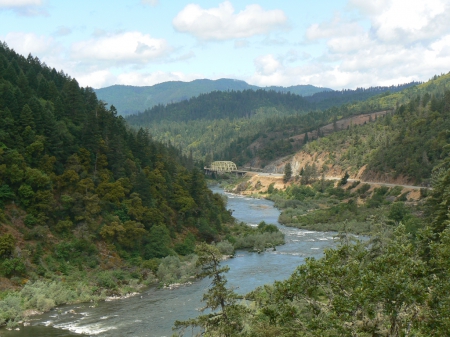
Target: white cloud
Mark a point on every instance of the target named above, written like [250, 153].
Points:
[349, 44]
[128, 47]
[26, 43]
[336, 27]
[267, 65]
[96, 79]
[223, 23]
[403, 43]
[135, 78]
[394, 21]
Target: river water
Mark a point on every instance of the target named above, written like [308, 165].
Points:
[153, 312]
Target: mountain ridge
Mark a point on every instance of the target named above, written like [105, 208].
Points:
[132, 99]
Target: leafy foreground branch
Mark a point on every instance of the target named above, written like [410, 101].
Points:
[229, 319]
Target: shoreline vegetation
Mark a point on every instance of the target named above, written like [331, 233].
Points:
[171, 272]
[340, 206]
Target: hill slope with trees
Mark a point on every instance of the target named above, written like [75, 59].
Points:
[223, 124]
[81, 192]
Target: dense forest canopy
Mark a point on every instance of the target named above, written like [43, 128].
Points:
[223, 125]
[72, 170]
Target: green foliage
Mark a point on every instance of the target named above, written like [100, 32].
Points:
[309, 174]
[10, 310]
[378, 197]
[398, 211]
[226, 247]
[271, 188]
[287, 172]
[12, 267]
[187, 246]
[257, 239]
[439, 200]
[7, 244]
[157, 243]
[80, 179]
[344, 179]
[353, 290]
[6, 193]
[172, 269]
[230, 318]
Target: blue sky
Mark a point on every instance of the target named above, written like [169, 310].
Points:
[337, 44]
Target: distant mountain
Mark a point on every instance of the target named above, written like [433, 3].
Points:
[130, 99]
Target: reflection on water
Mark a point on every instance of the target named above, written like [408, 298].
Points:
[153, 312]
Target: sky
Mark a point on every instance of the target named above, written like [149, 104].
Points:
[328, 43]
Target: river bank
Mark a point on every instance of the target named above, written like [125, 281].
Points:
[153, 311]
[334, 205]
[43, 295]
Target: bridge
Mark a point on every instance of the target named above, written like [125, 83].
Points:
[221, 167]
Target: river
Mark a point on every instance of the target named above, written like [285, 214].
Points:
[153, 312]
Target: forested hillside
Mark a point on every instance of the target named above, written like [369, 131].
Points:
[131, 100]
[81, 191]
[224, 125]
[220, 105]
[406, 143]
[327, 99]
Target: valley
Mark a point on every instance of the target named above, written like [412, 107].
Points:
[95, 206]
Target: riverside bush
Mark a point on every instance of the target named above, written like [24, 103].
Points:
[173, 270]
[44, 296]
[225, 247]
[10, 309]
[260, 241]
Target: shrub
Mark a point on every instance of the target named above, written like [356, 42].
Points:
[225, 247]
[398, 211]
[174, 270]
[105, 279]
[10, 309]
[30, 220]
[259, 241]
[363, 189]
[12, 267]
[7, 244]
[151, 264]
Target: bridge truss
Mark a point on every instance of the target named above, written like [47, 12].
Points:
[223, 166]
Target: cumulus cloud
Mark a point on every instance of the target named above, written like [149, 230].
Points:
[267, 65]
[403, 43]
[26, 43]
[418, 21]
[96, 79]
[222, 23]
[128, 47]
